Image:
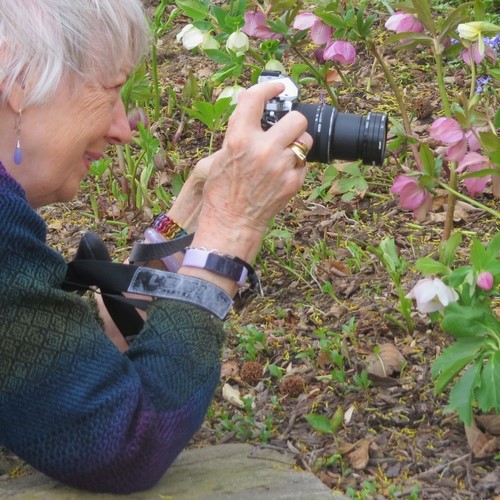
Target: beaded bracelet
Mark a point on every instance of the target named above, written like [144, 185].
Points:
[168, 228]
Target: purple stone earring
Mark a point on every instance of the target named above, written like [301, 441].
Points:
[18, 152]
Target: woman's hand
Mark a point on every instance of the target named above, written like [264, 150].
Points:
[251, 178]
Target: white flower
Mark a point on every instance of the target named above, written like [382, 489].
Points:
[209, 42]
[190, 36]
[238, 42]
[232, 92]
[275, 65]
[431, 295]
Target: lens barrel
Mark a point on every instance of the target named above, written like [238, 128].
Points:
[344, 136]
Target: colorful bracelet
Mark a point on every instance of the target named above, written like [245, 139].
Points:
[168, 228]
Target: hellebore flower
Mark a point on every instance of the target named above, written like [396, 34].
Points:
[238, 42]
[340, 51]
[473, 162]
[474, 31]
[190, 37]
[209, 42]
[412, 196]
[450, 132]
[135, 116]
[232, 92]
[477, 57]
[431, 295]
[275, 65]
[255, 25]
[402, 22]
[320, 31]
[485, 281]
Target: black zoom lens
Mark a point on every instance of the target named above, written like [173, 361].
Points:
[344, 136]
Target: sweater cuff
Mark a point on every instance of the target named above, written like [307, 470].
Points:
[163, 285]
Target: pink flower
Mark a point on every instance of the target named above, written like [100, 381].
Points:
[255, 25]
[473, 162]
[135, 116]
[450, 132]
[485, 281]
[447, 130]
[340, 51]
[320, 31]
[401, 22]
[412, 195]
[477, 56]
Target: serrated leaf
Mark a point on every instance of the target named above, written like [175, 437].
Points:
[448, 249]
[488, 397]
[319, 423]
[453, 359]
[477, 253]
[462, 394]
[454, 18]
[219, 56]
[428, 160]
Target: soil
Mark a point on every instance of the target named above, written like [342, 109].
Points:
[305, 345]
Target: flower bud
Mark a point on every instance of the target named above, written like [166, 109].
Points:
[485, 281]
[137, 115]
[238, 42]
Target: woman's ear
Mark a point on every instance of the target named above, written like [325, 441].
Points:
[14, 98]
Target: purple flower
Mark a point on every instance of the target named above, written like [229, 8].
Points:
[485, 281]
[320, 31]
[401, 22]
[477, 56]
[255, 25]
[450, 132]
[340, 51]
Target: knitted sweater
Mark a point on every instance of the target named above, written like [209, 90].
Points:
[71, 404]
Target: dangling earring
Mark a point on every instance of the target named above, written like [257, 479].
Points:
[18, 152]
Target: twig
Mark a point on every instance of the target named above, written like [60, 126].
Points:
[439, 468]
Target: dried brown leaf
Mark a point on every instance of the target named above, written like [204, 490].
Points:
[490, 423]
[229, 369]
[481, 444]
[360, 455]
[386, 362]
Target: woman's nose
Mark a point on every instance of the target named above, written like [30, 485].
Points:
[119, 131]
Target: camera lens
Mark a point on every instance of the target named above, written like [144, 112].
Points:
[344, 136]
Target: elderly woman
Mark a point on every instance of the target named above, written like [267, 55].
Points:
[72, 404]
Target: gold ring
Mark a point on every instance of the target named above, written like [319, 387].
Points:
[300, 150]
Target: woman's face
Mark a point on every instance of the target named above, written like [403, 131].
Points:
[61, 139]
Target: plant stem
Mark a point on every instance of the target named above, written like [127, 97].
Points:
[471, 201]
[318, 76]
[156, 82]
[440, 78]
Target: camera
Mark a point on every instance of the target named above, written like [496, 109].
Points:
[336, 135]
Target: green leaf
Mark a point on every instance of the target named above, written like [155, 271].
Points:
[453, 359]
[469, 321]
[448, 249]
[420, 38]
[424, 14]
[497, 118]
[319, 423]
[493, 248]
[477, 253]
[462, 394]
[219, 56]
[453, 19]
[488, 397]
[194, 9]
[427, 266]
[428, 160]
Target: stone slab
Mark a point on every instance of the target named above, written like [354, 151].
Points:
[223, 472]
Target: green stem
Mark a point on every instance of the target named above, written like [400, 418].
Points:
[156, 82]
[257, 57]
[473, 75]
[440, 78]
[471, 201]
[317, 75]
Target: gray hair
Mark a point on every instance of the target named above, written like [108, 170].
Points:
[44, 41]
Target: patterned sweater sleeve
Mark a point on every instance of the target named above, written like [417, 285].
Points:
[71, 404]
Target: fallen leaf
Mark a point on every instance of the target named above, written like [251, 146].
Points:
[232, 396]
[358, 454]
[229, 369]
[490, 423]
[386, 362]
[481, 444]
